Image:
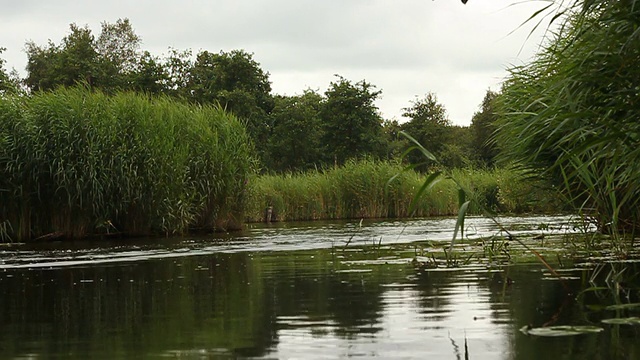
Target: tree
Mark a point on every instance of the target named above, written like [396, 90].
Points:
[119, 45]
[9, 82]
[428, 124]
[352, 124]
[457, 150]
[296, 141]
[482, 128]
[396, 144]
[106, 63]
[149, 75]
[178, 65]
[118, 48]
[74, 60]
[236, 82]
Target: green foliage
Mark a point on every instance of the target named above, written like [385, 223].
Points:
[352, 124]
[362, 189]
[302, 132]
[427, 122]
[106, 63]
[574, 111]
[236, 82]
[457, 151]
[9, 82]
[295, 143]
[430, 126]
[395, 143]
[74, 60]
[482, 128]
[149, 75]
[119, 45]
[177, 66]
[76, 163]
[355, 190]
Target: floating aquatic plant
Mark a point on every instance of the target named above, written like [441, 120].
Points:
[622, 321]
[561, 330]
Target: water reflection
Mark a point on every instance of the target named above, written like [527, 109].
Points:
[315, 303]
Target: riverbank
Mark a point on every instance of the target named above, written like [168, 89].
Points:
[361, 189]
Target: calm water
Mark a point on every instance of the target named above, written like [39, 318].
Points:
[296, 292]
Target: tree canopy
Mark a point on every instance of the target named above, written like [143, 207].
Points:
[236, 82]
[296, 141]
[483, 128]
[352, 123]
[9, 82]
[428, 124]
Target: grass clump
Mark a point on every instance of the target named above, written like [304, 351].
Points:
[75, 163]
[361, 189]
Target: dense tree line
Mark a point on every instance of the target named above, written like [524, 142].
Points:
[291, 133]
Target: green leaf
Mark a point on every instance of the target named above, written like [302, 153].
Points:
[417, 146]
[460, 223]
[428, 184]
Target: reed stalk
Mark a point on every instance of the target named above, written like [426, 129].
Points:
[75, 162]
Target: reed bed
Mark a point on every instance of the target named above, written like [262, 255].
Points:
[75, 163]
[361, 189]
[573, 112]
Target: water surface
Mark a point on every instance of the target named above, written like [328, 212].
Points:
[296, 291]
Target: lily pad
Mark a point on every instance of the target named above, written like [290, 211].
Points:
[622, 321]
[623, 306]
[562, 330]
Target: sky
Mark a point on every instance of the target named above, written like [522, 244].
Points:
[406, 48]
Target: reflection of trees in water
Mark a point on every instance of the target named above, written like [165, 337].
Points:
[240, 302]
[221, 301]
[538, 300]
[348, 304]
[433, 299]
[149, 306]
[355, 302]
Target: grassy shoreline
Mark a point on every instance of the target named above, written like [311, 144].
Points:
[361, 189]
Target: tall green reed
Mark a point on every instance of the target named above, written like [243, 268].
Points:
[572, 113]
[361, 189]
[76, 162]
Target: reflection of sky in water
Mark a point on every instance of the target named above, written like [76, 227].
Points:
[277, 237]
[413, 324]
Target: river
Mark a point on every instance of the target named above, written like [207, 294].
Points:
[321, 290]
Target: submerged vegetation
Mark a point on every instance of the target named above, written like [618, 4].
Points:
[76, 162]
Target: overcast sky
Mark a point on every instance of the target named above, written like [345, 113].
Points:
[406, 48]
